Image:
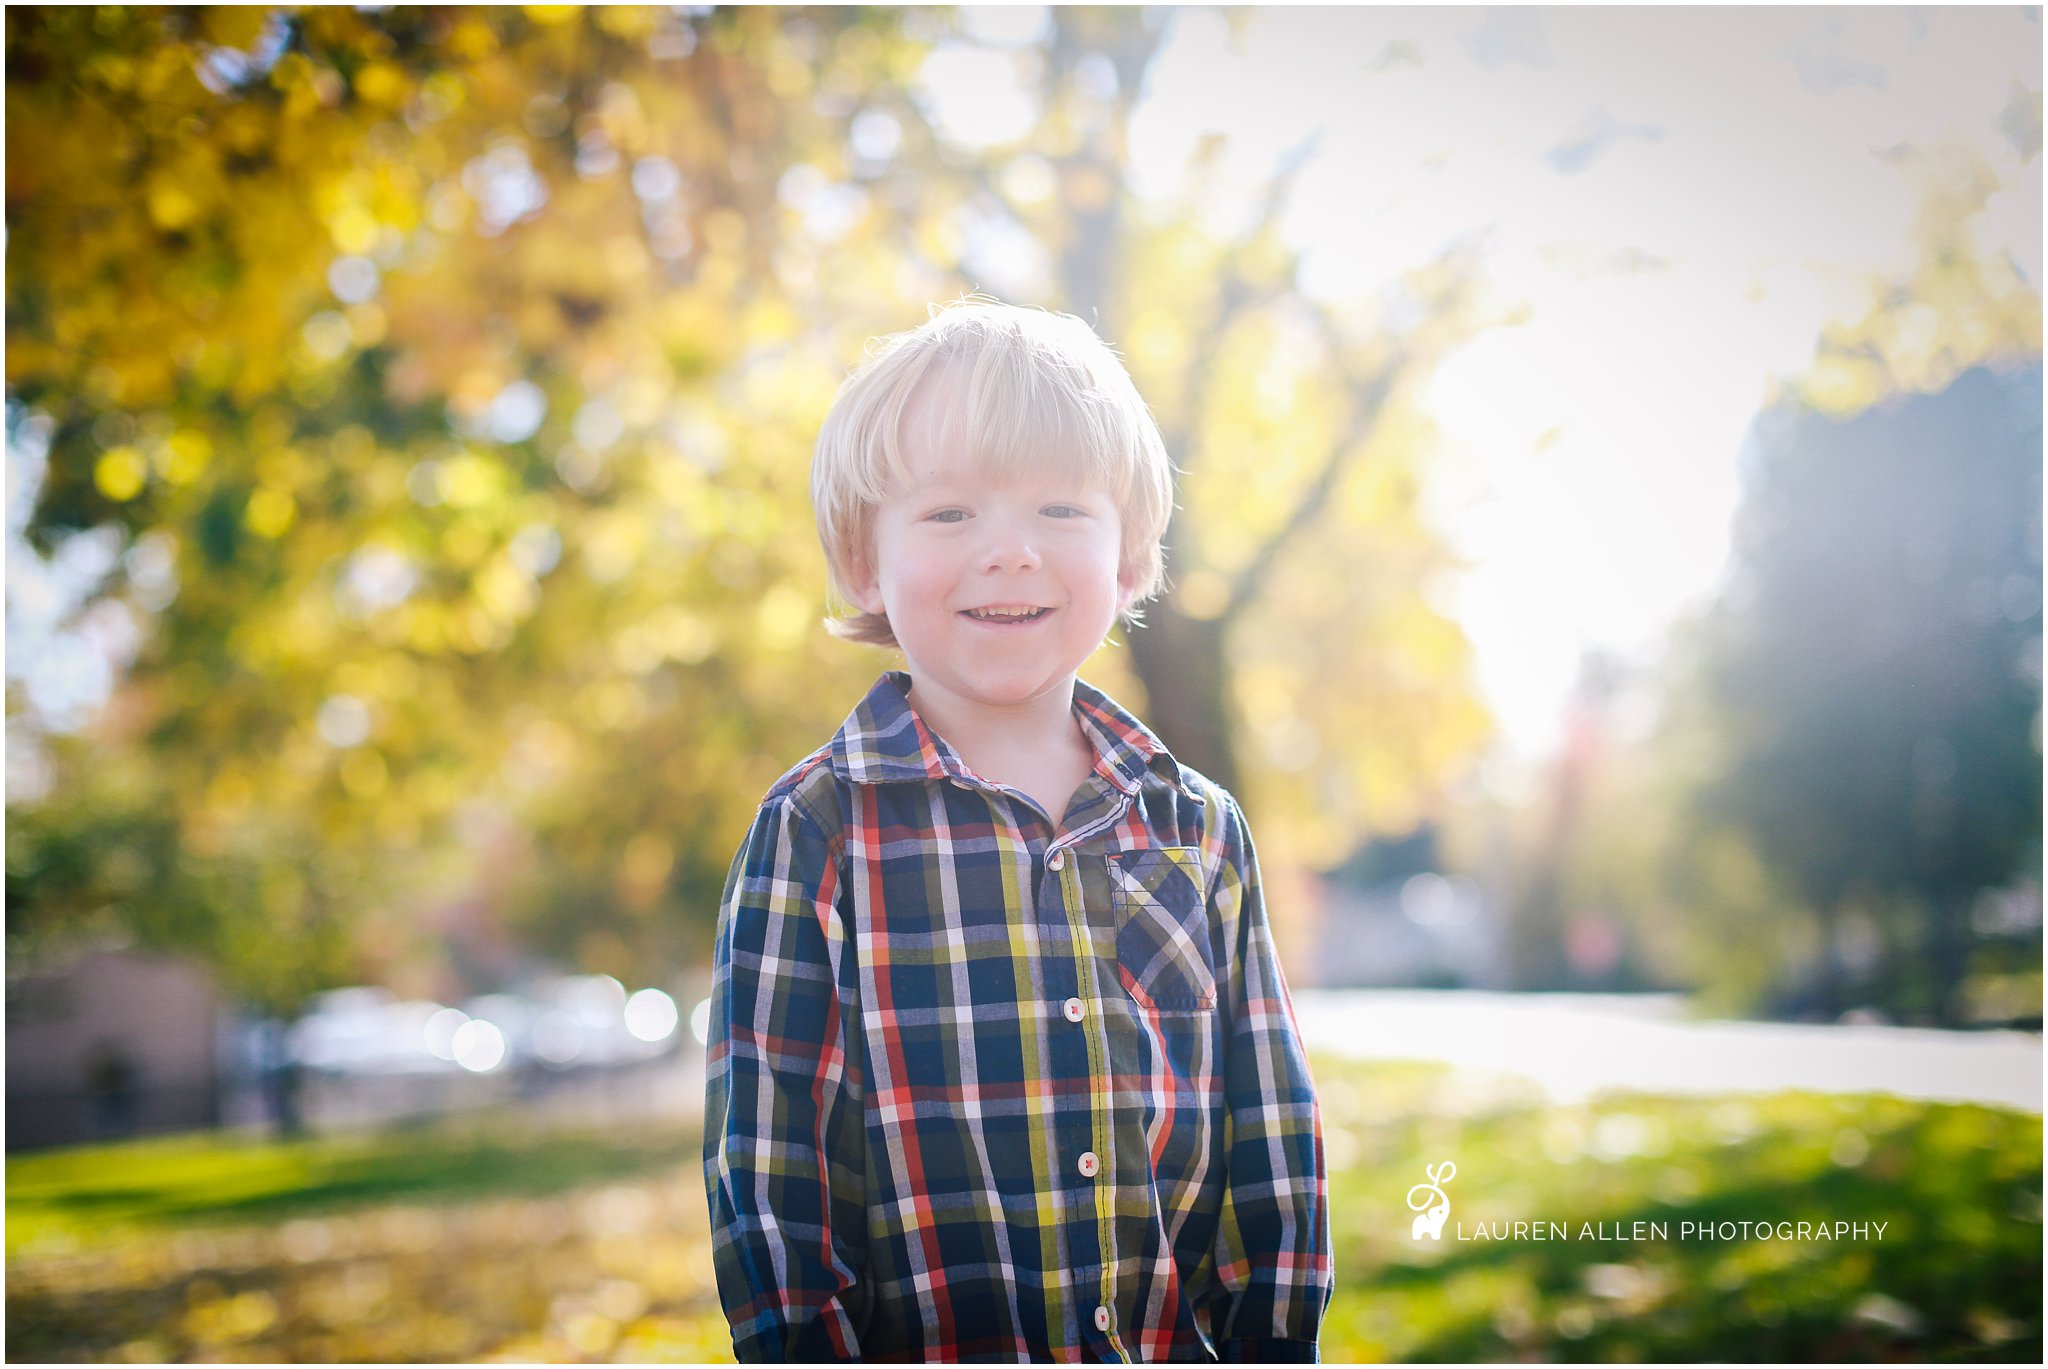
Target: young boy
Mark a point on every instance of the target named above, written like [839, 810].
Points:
[1002, 1062]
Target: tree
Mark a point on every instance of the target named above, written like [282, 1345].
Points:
[349, 327]
[449, 378]
[1296, 659]
[1879, 660]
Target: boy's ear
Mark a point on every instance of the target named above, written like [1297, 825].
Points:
[1126, 585]
[862, 585]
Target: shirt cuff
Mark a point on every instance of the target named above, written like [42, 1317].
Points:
[1266, 1350]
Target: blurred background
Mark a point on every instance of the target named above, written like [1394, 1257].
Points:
[1608, 568]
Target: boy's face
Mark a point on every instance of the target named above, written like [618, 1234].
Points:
[953, 550]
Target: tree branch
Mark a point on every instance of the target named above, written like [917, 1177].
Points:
[1371, 398]
[1238, 295]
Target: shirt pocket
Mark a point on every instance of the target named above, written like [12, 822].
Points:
[1162, 928]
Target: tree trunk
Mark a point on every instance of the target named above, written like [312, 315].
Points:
[1828, 995]
[1187, 690]
[1179, 659]
[1948, 953]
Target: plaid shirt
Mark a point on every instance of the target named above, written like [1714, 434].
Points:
[983, 1087]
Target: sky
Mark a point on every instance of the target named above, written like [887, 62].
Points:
[1683, 197]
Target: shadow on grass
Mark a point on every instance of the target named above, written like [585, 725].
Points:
[209, 1181]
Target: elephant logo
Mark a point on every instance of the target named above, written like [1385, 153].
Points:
[1434, 1205]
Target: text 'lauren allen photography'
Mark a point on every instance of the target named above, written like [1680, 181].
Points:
[1432, 1206]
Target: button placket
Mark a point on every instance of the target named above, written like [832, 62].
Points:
[1084, 937]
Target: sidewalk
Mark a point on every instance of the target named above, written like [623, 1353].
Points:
[1576, 1045]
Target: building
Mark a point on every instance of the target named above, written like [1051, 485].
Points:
[113, 1043]
[1390, 919]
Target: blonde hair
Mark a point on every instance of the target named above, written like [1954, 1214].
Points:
[1037, 387]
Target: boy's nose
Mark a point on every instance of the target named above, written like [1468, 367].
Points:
[1009, 547]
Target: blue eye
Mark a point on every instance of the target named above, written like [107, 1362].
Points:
[1061, 511]
[949, 516]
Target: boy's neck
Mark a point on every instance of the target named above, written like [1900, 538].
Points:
[1036, 746]
[1037, 725]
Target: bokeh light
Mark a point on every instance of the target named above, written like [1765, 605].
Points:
[651, 1015]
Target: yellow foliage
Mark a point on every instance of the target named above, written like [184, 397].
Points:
[505, 591]
[1957, 308]
[186, 455]
[381, 83]
[270, 512]
[171, 205]
[120, 473]
[364, 774]
[641, 572]
[627, 21]
[471, 481]
[234, 26]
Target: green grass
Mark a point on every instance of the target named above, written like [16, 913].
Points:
[488, 1240]
[84, 1194]
[1956, 1274]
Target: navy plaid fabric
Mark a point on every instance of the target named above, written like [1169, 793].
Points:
[986, 1087]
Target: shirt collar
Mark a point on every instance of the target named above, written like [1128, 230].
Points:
[883, 741]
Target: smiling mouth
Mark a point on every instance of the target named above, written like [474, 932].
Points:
[1019, 613]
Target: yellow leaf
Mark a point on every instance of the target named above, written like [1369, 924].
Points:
[627, 21]
[292, 70]
[380, 83]
[186, 453]
[470, 481]
[354, 229]
[505, 591]
[232, 26]
[171, 207]
[270, 512]
[471, 39]
[363, 774]
[119, 474]
[367, 325]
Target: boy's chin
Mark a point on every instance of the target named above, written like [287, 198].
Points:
[1002, 687]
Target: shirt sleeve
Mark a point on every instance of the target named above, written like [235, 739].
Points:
[1273, 1241]
[783, 1139]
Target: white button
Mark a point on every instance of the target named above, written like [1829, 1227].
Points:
[1073, 1009]
[1102, 1319]
[1056, 860]
[1089, 1164]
